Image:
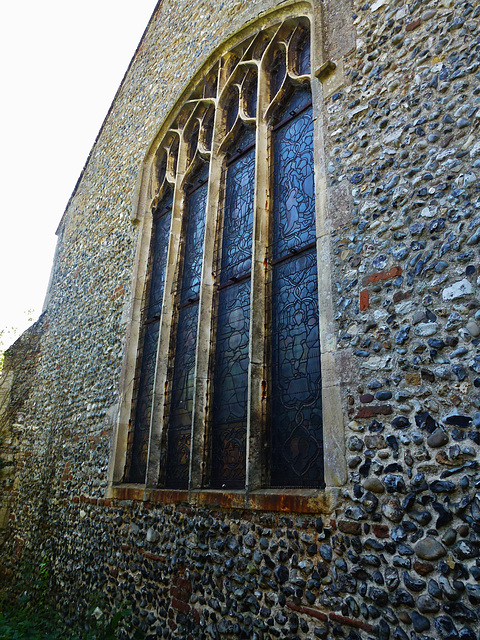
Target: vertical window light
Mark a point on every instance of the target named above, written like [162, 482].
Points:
[185, 340]
[230, 379]
[151, 314]
[296, 413]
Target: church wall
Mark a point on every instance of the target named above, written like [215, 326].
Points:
[395, 551]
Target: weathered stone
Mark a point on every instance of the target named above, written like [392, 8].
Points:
[437, 438]
[430, 549]
[392, 510]
[374, 484]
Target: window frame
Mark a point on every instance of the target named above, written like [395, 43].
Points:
[333, 429]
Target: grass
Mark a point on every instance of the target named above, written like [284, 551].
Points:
[26, 614]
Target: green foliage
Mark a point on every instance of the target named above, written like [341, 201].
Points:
[25, 613]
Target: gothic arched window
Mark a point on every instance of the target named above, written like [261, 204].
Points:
[228, 391]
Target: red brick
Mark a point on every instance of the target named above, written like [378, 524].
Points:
[377, 410]
[382, 275]
[364, 300]
[180, 606]
[350, 622]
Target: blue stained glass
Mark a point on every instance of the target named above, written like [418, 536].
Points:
[229, 423]
[149, 339]
[296, 396]
[304, 56]
[181, 404]
[279, 69]
[297, 456]
[238, 217]
[230, 386]
[251, 96]
[182, 390]
[143, 408]
[194, 234]
[159, 249]
[294, 198]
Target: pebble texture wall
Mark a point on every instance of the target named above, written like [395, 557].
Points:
[399, 554]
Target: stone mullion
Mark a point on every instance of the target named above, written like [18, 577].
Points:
[158, 437]
[256, 368]
[202, 396]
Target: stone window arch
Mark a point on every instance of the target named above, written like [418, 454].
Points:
[227, 390]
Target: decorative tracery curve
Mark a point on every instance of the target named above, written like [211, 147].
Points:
[218, 170]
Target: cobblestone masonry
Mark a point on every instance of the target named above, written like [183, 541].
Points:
[398, 555]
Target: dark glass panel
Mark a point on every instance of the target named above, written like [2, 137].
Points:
[158, 251]
[210, 89]
[238, 217]
[193, 142]
[296, 400]
[181, 403]
[207, 133]
[304, 55]
[182, 388]
[143, 409]
[296, 397]
[194, 235]
[232, 111]
[294, 201]
[251, 94]
[149, 338]
[230, 386]
[279, 69]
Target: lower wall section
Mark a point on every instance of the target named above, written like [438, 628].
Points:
[191, 572]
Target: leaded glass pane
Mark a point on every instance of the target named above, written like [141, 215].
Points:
[230, 386]
[161, 230]
[229, 424]
[237, 224]
[138, 463]
[296, 399]
[294, 201]
[194, 235]
[296, 402]
[149, 339]
[182, 390]
[304, 56]
[182, 398]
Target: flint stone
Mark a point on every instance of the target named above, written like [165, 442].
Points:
[426, 329]
[464, 549]
[473, 328]
[420, 623]
[437, 439]
[281, 574]
[427, 604]
[430, 549]
[393, 510]
[152, 535]
[457, 290]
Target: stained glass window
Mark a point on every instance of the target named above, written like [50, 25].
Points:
[230, 381]
[145, 387]
[296, 407]
[218, 130]
[181, 404]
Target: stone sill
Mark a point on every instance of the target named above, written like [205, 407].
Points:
[280, 500]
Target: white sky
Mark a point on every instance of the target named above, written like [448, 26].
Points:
[61, 64]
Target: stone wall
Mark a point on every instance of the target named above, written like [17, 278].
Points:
[398, 552]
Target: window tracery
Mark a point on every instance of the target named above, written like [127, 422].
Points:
[237, 168]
